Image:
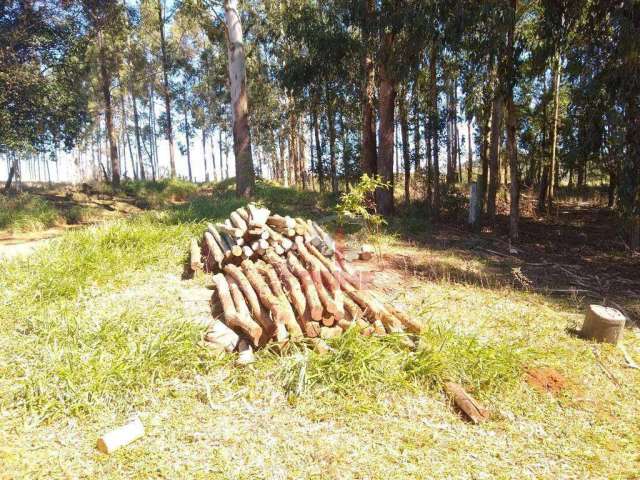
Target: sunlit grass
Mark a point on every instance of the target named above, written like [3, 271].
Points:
[26, 213]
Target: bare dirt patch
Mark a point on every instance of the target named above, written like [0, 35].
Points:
[546, 380]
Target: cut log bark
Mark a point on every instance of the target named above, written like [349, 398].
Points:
[232, 317]
[289, 317]
[280, 222]
[315, 270]
[257, 312]
[244, 213]
[466, 403]
[230, 230]
[366, 252]
[214, 256]
[245, 321]
[408, 323]
[195, 260]
[290, 282]
[238, 222]
[267, 298]
[223, 241]
[245, 353]
[222, 336]
[309, 289]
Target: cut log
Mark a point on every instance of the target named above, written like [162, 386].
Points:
[120, 437]
[312, 329]
[290, 282]
[327, 279]
[466, 403]
[230, 230]
[223, 241]
[603, 324]
[408, 323]
[222, 336]
[238, 222]
[379, 328]
[232, 317]
[280, 222]
[244, 320]
[195, 259]
[247, 251]
[289, 318]
[309, 289]
[244, 213]
[267, 298]
[344, 324]
[214, 256]
[286, 243]
[328, 320]
[257, 312]
[245, 353]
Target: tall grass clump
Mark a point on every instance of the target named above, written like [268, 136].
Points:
[27, 213]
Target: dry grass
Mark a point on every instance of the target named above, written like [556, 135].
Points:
[79, 359]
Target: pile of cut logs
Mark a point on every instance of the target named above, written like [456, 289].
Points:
[282, 278]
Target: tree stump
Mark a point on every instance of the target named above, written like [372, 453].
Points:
[603, 324]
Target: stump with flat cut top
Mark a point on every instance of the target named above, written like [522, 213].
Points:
[603, 324]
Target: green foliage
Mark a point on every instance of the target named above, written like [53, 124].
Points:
[358, 204]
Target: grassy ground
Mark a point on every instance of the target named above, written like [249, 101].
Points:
[95, 327]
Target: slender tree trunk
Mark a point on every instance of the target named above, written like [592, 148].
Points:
[450, 169]
[387, 94]
[108, 113]
[345, 155]
[166, 89]
[283, 160]
[316, 131]
[435, 121]
[302, 157]
[187, 138]
[429, 166]
[214, 169]
[511, 121]
[331, 123]
[416, 129]
[554, 129]
[204, 155]
[311, 151]
[245, 177]
[494, 170]
[406, 156]
[369, 155]
[470, 155]
[136, 125]
[293, 149]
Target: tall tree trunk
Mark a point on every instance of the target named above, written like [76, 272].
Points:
[416, 128]
[293, 146]
[136, 126]
[283, 159]
[369, 155]
[435, 121]
[108, 113]
[166, 90]
[554, 129]
[316, 131]
[187, 138]
[406, 156]
[214, 169]
[204, 155]
[511, 121]
[387, 94]
[245, 176]
[331, 123]
[311, 151]
[470, 155]
[302, 156]
[345, 155]
[429, 166]
[494, 147]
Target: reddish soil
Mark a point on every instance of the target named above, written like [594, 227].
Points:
[546, 380]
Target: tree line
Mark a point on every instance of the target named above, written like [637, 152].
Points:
[516, 93]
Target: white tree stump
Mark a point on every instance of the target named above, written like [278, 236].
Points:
[121, 436]
[603, 324]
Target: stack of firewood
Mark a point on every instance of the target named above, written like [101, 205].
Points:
[283, 278]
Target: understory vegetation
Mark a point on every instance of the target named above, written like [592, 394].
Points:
[93, 329]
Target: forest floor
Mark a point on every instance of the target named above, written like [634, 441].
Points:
[98, 324]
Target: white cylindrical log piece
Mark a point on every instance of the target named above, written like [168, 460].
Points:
[603, 324]
[222, 336]
[120, 437]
